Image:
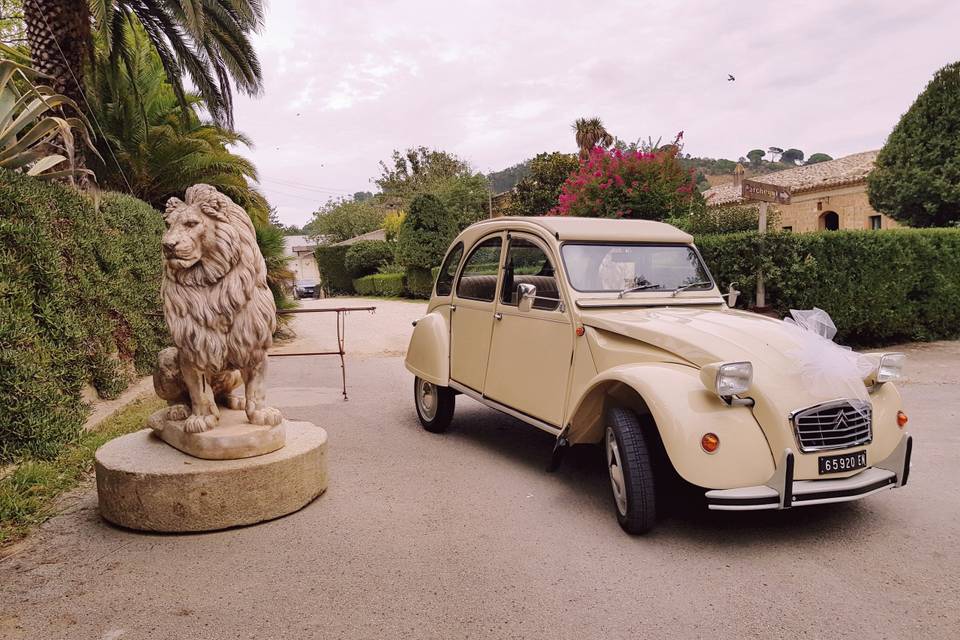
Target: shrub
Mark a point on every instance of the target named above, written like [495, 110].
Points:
[426, 233]
[367, 256]
[79, 303]
[419, 282]
[879, 286]
[333, 272]
[381, 284]
[629, 184]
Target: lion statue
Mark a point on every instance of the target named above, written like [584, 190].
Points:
[219, 310]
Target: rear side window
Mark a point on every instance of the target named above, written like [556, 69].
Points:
[448, 270]
[478, 280]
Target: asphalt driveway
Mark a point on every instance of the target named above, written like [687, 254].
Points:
[464, 535]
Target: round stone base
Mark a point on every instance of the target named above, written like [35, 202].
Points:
[144, 483]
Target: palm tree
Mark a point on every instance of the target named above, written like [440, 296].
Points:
[151, 146]
[208, 40]
[590, 133]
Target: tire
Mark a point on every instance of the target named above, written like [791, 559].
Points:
[630, 467]
[434, 405]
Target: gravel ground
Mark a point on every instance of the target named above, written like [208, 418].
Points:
[464, 535]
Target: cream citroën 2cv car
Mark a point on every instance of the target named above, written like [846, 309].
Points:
[614, 332]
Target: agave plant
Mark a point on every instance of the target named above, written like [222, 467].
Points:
[34, 136]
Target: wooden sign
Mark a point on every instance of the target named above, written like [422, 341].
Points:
[752, 190]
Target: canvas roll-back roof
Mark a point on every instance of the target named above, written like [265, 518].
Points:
[570, 229]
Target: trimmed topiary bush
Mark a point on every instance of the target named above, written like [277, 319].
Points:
[333, 272]
[425, 233]
[381, 284]
[367, 256]
[878, 286]
[79, 304]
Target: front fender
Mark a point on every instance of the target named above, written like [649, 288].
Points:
[683, 411]
[428, 354]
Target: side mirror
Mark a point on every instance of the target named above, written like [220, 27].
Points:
[526, 294]
[731, 295]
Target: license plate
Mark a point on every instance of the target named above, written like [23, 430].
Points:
[844, 462]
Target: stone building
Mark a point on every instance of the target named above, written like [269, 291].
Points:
[827, 195]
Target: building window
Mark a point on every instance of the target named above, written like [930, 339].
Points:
[788, 229]
[819, 206]
[875, 222]
[829, 221]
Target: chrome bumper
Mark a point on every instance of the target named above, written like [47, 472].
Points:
[783, 492]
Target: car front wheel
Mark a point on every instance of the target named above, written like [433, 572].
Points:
[629, 464]
[434, 405]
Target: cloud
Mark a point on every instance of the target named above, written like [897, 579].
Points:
[497, 82]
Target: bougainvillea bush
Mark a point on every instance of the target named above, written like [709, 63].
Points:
[629, 184]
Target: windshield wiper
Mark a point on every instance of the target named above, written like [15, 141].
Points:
[688, 286]
[639, 287]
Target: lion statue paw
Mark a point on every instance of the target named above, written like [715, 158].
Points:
[265, 416]
[199, 424]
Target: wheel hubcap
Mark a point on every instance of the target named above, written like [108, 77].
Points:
[427, 399]
[616, 473]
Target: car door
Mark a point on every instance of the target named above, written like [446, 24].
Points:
[474, 300]
[530, 351]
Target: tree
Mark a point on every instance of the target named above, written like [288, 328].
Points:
[209, 41]
[539, 192]
[416, 170]
[425, 233]
[916, 178]
[12, 29]
[818, 157]
[340, 220]
[614, 184]
[591, 133]
[792, 156]
[774, 152]
[756, 156]
[150, 146]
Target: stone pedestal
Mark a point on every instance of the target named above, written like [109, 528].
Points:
[144, 483]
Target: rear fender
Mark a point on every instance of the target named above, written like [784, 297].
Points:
[683, 410]
[428, 354]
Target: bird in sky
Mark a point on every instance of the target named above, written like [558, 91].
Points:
[730, 78]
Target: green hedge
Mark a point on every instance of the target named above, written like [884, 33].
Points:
[419, 282]
[381, 284]
[333, 272]
[878, 286]
[367, 256]
[79, 303]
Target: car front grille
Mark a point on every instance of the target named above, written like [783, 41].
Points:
[833, 425]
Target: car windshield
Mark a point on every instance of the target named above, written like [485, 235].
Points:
[634, 267]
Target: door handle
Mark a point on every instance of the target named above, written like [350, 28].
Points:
[498, 316]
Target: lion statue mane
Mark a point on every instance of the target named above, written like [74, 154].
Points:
[219, 310]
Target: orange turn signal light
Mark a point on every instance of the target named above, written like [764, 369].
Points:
[580, 331]
[901, 419]
[710, 442]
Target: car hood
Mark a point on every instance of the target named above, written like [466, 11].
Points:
[786, 360]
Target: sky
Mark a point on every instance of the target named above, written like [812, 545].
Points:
[496, 83]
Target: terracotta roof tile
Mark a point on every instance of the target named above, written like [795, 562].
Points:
[832, 173]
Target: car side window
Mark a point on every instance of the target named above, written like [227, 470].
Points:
[448, 270]
[478, 279]
[527, 263]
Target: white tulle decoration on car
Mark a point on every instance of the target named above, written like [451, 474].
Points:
[826, 368]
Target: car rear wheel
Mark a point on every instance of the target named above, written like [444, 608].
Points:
[630, 467]
[434, 404]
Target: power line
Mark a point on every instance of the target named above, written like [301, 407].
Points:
[306, 187]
